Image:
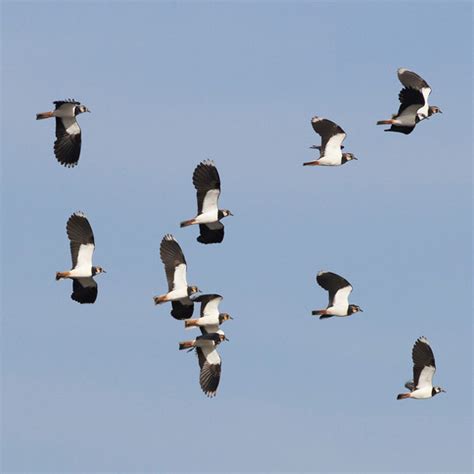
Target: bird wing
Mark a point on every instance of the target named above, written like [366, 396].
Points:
[412, 79]
[174, 262]
[332, 135]
[212, 233]
[411, 100]
[208, 186]
[67, 146]
[182, 309]
[81, 237]
[84, 290]
[210, 365]
[68, 104]
[209, 304]
[424, 366]
[337, 286]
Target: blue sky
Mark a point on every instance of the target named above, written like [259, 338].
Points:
[103, 387]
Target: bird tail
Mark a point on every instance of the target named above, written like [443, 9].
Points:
[190, 323]
[44, 115]
[187, 223]
[401, 396]
[160, 299]
[318, 312]
[385, 122]
[186, 345]
[60, 275]
[311, 163]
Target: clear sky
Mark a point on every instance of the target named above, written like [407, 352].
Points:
[103, 387]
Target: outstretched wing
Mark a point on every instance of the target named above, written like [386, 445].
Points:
[424, 366]
[81, 237]
[84, 290]
[208, 186]
[210, 364]
[67, 146]
[175, 264]
[412, 79]
[212, 233]
[182, 309]
[337, 287]
[332, 135]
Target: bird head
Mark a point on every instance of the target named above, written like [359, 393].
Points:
[224, 213]
[224, 317]
[437, 390]
[349, 156]
[192, 290]
[97, 270]
[433, 109]
[80, 109]
[353, 308]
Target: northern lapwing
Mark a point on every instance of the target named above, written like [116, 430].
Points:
[210, 319]
[339, 290]
[67, 146]
[330, 151]
[424, 369]
[414, 105]
[81, 237]
[208, 186]
[209, 360]
[179, 292]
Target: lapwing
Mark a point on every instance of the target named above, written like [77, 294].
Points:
[414, 105]
[339, 290]
[209, 360]
[210, 319]
[67, 146]
[81, 237]
[330, 151]
[179, 292]
[208, 186]
[424, 369]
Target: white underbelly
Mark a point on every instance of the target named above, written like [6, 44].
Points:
[207, 217]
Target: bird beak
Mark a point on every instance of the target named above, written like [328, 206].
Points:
[354, 158]
[87, 110]
[361, 310]
[230, 213]
[230, 317]
[226, 339]
[443, 390]
[103, 271]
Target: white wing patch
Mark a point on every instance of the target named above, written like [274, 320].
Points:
[341, 298]
[211, 355]
[333, 146]
[71, 126]
[84, 258]
[426, 377]
[212, 308]
[179, 279]
[209, 203]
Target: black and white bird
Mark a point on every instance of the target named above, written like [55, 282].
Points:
[208, 186]
[67, 146]
[179, 292]
[81, 237]
[330, 151]
[414, 105]
[209, 360]
[424, 369]
[210, 319]
[339, 290]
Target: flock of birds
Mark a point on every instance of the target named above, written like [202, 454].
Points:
[413, 109]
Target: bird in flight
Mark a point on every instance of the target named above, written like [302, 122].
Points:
[67, 146]
[208, 186]
[81, 237]
[209, 360]
[414, 105]
[339, 290]
[330, 151]
[424, 369]
[210, 319]
[179, 292]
